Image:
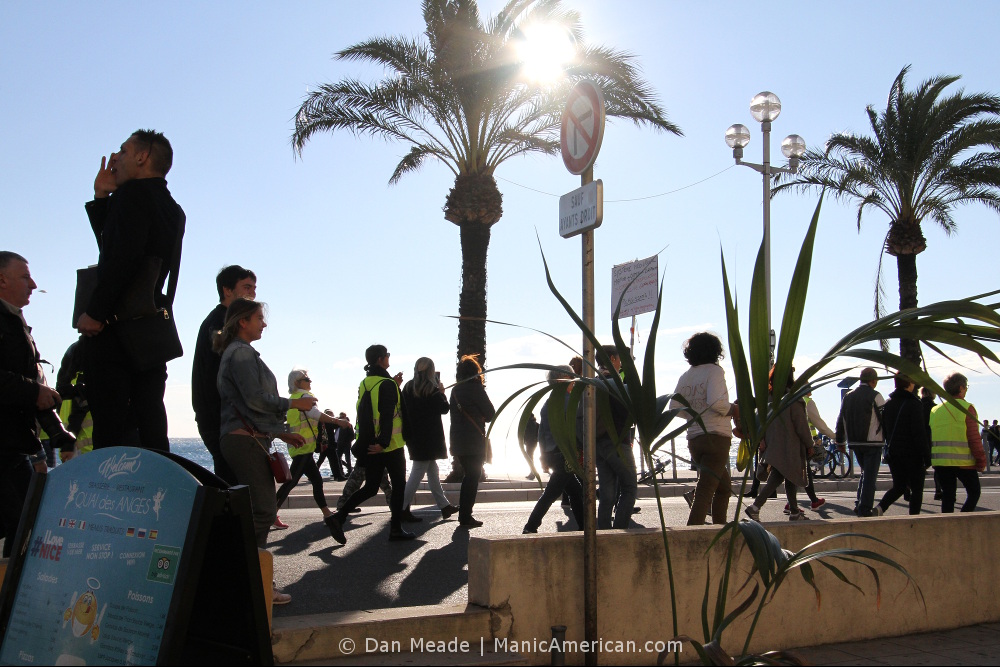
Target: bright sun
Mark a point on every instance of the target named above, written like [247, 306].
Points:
[545, 50]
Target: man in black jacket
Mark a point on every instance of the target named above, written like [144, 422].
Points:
[25, 401]
[136, 222]
[233, 282]
[860, 426]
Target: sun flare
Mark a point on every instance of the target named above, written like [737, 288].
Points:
[545, 51]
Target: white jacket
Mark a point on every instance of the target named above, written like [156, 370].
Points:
[704, 387]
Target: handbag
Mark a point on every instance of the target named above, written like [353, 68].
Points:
[275, 460]
[489, 445]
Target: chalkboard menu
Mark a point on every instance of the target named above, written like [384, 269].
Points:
[101, 576]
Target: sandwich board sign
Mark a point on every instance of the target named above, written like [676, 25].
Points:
[120, 557]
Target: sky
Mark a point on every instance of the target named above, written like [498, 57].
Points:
[345, 260]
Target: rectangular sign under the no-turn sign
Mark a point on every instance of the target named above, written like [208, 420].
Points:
[581, 209]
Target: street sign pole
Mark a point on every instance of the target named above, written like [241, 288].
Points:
[589, 447]
[581, 133]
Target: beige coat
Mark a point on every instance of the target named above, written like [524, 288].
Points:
[787, 439]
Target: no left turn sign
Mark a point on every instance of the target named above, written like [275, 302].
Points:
[582, 127]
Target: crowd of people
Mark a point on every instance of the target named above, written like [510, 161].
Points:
[111, 384]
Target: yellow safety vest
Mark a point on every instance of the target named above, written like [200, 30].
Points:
[949, 439]
[370, 384]
[85, 437]
[812, 429]
[299, 423]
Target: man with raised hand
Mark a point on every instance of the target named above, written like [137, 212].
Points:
[136, 222]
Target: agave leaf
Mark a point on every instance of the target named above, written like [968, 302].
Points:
[840, 575]
[773, 658]
[736, 613]
[795, 306]
[741, 369]
[759, 335]
[810, 578]
[767, 553]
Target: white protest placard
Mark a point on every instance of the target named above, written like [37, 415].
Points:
[640, 297]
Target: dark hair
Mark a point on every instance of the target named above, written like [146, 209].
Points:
[229, 276]
[869, 374]
[468, 367]
[576, 363]
[239, 310]
[927, 392]
[161, 155]
[373, 354]
[703, 348]
[902, 381]
[788, 383]
[954, 383]
[611, 351]
[6, 257]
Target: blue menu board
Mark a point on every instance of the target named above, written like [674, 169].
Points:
[100, 566]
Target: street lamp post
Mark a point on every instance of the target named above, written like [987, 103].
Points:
[765, 108]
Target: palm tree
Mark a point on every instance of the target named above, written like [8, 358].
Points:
[459, 96]
[929, 154]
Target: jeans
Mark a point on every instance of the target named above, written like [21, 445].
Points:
[774, 478]
[905, 475]
[710, 453]
[618, 486]
[417, 472]
[473, 467]
[304, 464]
[210, 436]
[561, 480]
[356, 480]
[949, 478]
[394, 463]
[247, 457]
[869, 459]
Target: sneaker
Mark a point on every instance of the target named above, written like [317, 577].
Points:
[689, 497]
[470, 522]
[530, 477]
[277, 597]
[528, 531]
[336, 528]
[753, 512]
[819, 502]
[798, 516]
[877, 511]
[279, 525]
[356, 510]
[787, 509]
[448, 512]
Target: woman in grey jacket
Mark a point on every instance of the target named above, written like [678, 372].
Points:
[253, 413]
[470, 410]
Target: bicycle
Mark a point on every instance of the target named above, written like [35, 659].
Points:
[835, 462]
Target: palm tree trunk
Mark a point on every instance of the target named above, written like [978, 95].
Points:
[906, 267]
[475, 239]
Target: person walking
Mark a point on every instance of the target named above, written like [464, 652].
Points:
[424, 402]
[909, 446]
[703, 386]
[380, 437]
[561, 478]
[306, 423]
[956, 448]
[253, 413]
[786, 443]
[232, 282]
[860, 426]
[470, 410]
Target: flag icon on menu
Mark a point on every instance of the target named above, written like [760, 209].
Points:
[153, 534]
[72, 523]
[62, 523]
[141, 533]
[83, 524]
[130, 532]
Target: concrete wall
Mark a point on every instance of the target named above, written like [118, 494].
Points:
[533, 582]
